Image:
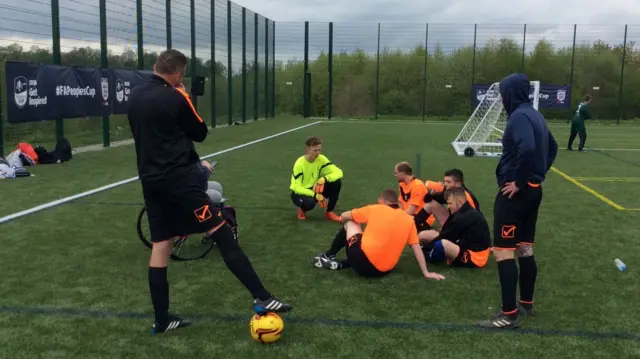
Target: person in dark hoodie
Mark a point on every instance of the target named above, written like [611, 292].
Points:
[528, 151]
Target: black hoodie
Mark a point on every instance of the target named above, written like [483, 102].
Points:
[528, 147]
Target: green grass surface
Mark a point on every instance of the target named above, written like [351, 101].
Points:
[83, 263]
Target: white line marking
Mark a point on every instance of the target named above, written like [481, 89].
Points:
[615, 149]
[129, 180]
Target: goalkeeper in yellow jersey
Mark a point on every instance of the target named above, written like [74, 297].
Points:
[315, 181]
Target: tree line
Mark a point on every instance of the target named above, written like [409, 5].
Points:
[402, 83]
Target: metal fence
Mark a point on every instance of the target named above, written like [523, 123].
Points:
[232, 47]
[376, 70]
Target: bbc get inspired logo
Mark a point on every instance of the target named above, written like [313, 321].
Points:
[25, 93]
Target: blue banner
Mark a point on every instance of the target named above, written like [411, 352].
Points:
[551, 96]
[38, 92]
[123, 81]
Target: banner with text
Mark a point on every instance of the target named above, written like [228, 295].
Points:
[38, 92]
[123, 81]
[551, 96]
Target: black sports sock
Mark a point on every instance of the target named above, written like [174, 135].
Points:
[238, 263]
[508, 272]
[528, 274]
[339, 242]
[159, 289]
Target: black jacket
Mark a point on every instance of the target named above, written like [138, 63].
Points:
[468, 229]
[528, 147]
[164, 125]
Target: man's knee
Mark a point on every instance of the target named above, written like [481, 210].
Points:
[524, 250]
[428, 235]
[352, 228]
[332, 188]
[306, 203]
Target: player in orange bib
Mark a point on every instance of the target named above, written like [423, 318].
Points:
[412, 194]
[375, 251]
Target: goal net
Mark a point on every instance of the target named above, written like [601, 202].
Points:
[482, 134]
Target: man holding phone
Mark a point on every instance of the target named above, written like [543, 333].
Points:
[164, 123]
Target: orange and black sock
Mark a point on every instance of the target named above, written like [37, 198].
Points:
[508, 272]
[528, 274]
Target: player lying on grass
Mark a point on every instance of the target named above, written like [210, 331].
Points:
[577, 124]
[464, 239]
[377, 250]
[315, 180]
[412, 194]
[435, 199]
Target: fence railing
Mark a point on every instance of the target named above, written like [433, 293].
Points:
[376, 70]
[229, 45]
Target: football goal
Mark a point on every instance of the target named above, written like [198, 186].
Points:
[482, 134]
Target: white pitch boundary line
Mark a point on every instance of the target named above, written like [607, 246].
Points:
[615, 149]
[129, 180]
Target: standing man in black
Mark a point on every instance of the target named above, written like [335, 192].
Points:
[164, 125]
[528, 151]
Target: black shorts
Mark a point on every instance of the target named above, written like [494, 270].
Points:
[514, 219]
[179, 209]
[358, 259]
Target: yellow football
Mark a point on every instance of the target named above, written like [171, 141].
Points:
[266, 328]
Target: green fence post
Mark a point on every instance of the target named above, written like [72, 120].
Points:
[194, 63]
[424, 84]
[104, 63]
[573, 57]
[524, 41]
[256, 66]
[57, 57]
[305, 83]
[212, 67]
[140, 44]
[266, 68]
[624, 55]
[229, 67]
[473, 60]
[377, 107]
[167, 9]
[244, 65]
[273, 69]
[330, 69]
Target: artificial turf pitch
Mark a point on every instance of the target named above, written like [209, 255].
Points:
[75, 276]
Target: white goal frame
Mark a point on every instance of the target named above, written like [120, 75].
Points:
[482, 134]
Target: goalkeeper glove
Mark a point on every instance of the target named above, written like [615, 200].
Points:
[321, 200]
[319, 186]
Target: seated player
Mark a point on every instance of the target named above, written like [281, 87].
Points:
[435, 199]
[464, 239]
[412, 194]
[315, 180]
[377, 250]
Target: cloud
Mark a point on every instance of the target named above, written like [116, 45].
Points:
[451, 24]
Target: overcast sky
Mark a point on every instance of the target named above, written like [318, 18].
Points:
[355, 23]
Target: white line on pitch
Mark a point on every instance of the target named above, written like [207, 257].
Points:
[129, 180]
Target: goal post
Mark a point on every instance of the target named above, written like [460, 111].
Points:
[482, 134]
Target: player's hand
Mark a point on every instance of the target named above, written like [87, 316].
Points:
[180, 86]
[321, 200]
[510, 189]
[319, 186]
[433, 275]
[207, 165]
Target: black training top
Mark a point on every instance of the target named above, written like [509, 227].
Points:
[164, 125]
[468, 229]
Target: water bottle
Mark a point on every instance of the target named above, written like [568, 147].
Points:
[621, 266]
